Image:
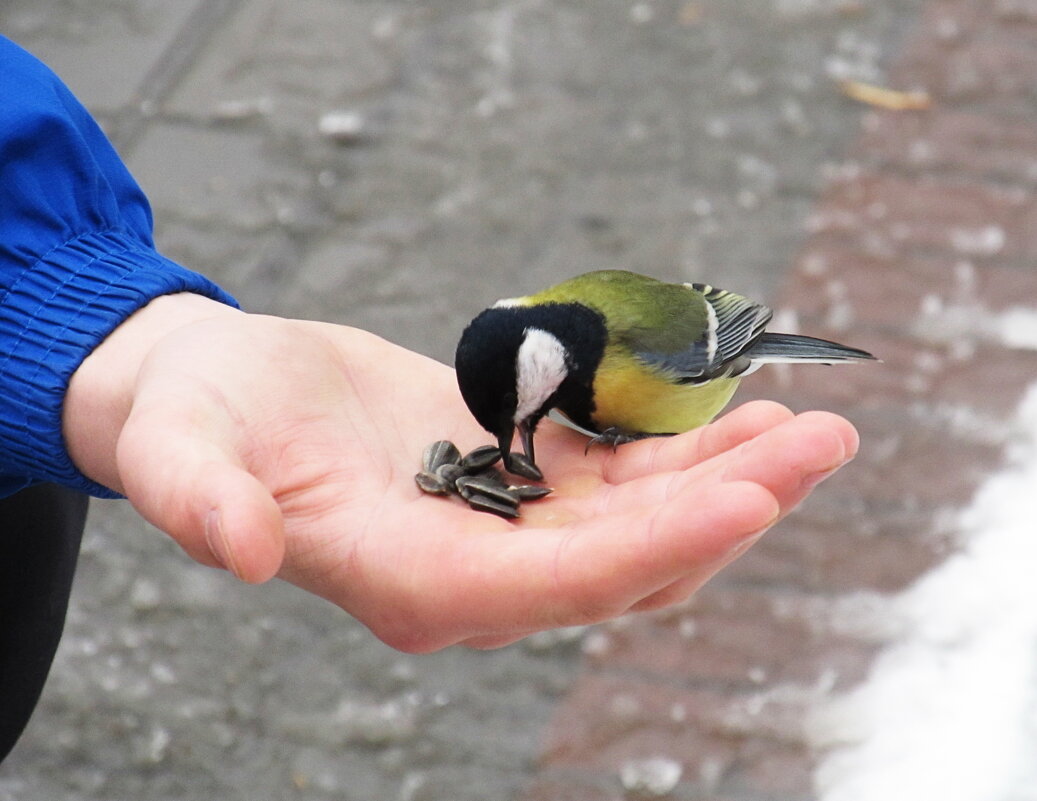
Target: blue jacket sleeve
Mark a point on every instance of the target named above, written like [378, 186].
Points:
[76, 259]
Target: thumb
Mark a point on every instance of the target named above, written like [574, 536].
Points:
[185, 484]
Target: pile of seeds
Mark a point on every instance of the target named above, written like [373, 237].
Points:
[473, 477]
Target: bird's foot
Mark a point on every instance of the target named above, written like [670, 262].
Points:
[616, 436]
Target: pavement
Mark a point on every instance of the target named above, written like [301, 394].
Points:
[397, 166]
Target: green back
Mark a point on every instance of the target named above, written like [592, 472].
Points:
[665, 325]
[640, 312]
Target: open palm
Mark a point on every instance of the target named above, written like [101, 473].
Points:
[270, 446]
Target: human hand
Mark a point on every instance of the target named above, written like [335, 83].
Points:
[271, 446]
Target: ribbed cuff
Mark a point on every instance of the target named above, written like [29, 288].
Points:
[51, 318]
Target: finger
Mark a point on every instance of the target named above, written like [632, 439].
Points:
[788, 459]
[809, 473]
[665, 454]
[794, 458]
[189, 486]
[600, 568]
[490, 642]
[681, 590]
[840, 425]
[688, 538]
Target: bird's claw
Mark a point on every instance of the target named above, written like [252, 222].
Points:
[615, 437]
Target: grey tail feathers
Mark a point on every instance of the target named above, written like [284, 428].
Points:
[797, 348]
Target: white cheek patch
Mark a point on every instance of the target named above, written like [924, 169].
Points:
[539, 370]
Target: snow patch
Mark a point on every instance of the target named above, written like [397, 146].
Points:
[950, 709]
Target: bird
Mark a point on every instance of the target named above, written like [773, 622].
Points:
[619, 356]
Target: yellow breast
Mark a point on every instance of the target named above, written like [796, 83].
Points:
[634, 398]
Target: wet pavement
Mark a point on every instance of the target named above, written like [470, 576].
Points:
[397, 166]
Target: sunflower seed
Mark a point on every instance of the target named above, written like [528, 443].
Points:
[480, 485]
[450, 473]
[481, 503]
[493, 474]
[474, 477]
[440, 453]
[530, 492]
[481, 458]
[431, 483]
[522, 466]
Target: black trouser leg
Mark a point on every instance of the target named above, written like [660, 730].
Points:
[40, 531]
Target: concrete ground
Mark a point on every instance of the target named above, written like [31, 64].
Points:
[397, 166]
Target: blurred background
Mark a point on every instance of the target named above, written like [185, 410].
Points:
[868, 169]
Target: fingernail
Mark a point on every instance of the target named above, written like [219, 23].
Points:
[814, 479]
[750, 540]
[216, 541]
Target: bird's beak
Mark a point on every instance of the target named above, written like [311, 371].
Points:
[504, 440]
[526, 434]
[504, 443]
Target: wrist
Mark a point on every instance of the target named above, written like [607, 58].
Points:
[100, 392]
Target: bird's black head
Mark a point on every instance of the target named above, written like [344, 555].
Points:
[514, 363]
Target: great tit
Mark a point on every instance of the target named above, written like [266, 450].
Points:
[620, 356]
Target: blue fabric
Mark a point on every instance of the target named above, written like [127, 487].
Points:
[76, 259]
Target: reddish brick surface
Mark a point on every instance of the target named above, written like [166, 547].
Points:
[889, 215]
[568, 789]
[952, 142]
[718, 736]
[727, 638]
[889, 291]
[884, 557]
[928, 230]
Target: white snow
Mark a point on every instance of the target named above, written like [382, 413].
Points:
[653, 777]
[961, 322]
[987, 240]
[949, 712]
[1017, 328]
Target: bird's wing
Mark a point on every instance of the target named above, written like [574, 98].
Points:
[691, 332]
[706, 334]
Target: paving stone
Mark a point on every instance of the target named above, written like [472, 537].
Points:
[228, 177]
[820, 556]
[72, 34]
[838, 283]
[279, 62]
[557, 789]
[900, 216]
[726, 745]
[732, 634]
[973, 56]
[958, 142]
